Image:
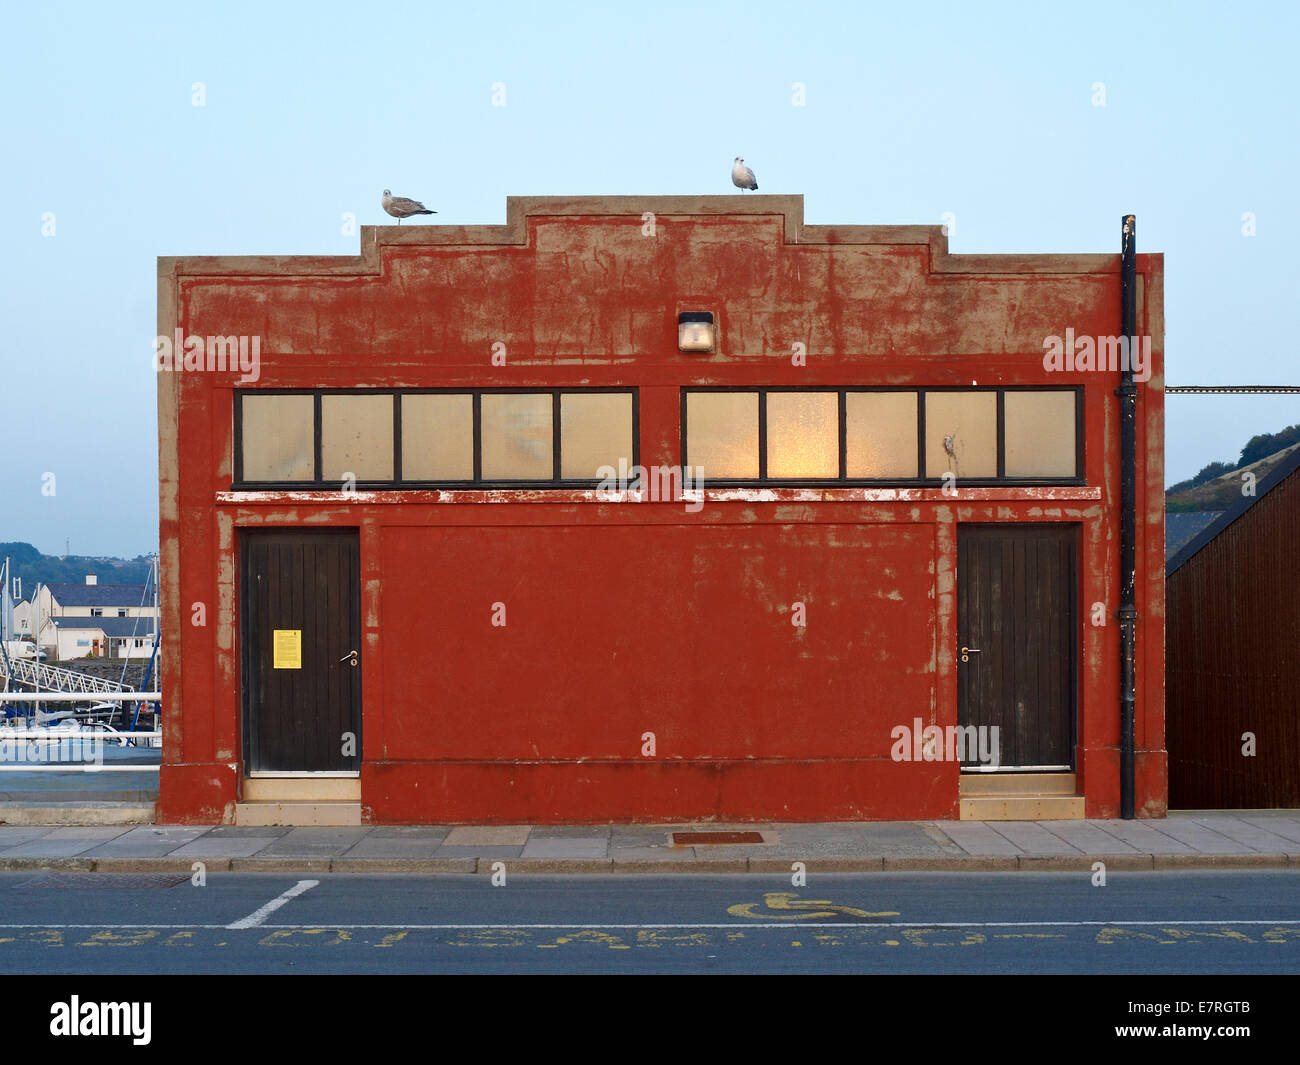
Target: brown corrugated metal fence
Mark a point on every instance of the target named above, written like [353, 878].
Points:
[1233, 662]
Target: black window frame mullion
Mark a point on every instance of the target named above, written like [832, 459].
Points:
[685, 454]
[1079, 472]
[556, 458]
[921, 459]
[239, 437]
[478, 437]
[636, 441]
[843, 415]
[762, 434]
[397, 438]
[318, 471]
[1001, 419]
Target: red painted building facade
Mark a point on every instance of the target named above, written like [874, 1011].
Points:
[908, 521]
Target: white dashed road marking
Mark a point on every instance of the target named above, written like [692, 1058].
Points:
[263, 912]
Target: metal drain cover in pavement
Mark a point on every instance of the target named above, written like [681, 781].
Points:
[692, 839]
[105, 881]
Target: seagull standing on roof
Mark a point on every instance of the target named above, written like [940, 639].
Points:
[742, 177]
[400, 207]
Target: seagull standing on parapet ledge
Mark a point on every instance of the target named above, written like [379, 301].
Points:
[742, 177]
[400, 207]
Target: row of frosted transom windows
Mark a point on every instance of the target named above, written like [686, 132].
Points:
[433, 437]
[768, 435]
[561, 436]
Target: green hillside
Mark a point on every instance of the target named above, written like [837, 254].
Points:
[31, 566]
[1218, 485]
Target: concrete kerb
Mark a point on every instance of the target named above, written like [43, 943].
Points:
[280, 865]
[403, 865]
[966, 863]
[1083, 863]
[684, 865]
[160, 865]
[1222, 861]
[568, 866]
[817, 865]
[46, 865]
[1027, 863]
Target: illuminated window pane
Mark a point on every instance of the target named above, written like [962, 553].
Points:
[438, 438]
[518, 444]
[595, 431]
[803, 430]
[961, 434]
[880, 434]
[722, 434]
[356, 437]
[278, 438]
[1040, 434]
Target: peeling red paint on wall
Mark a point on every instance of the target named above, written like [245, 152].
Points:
[626, 615]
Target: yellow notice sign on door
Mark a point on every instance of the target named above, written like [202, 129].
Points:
[286, 648]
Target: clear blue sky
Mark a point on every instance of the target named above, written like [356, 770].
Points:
[913, 110]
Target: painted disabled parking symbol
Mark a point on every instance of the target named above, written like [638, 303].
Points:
[786, 905]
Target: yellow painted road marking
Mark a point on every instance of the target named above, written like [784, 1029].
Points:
[50, 937]
[920, 937]
[648, 937]
[1028, 935]
[490, 937]
[786, 905]
[849, 934]
[285, 938]
[613, 942]
[119, 939]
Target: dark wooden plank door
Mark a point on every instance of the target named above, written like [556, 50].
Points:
[1016, 615]
[297, 717]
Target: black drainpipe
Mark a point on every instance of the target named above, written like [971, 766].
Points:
[1127, 393]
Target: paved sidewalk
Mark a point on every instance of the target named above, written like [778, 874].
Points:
[1265, 839]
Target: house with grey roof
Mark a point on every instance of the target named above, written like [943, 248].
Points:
[98, 637]
[93, 599]
[103, 620]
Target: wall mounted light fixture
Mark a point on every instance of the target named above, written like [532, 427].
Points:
[696, 331]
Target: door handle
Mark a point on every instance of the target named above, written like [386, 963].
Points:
[966, 652]
[350, 658]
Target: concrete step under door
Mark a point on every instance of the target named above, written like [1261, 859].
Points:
[1019, 797]
[306, 800]
[330, 814]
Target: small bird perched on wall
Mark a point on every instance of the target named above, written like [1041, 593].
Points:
[742, 177]
[400, 207]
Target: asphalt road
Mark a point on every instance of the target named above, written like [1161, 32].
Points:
[1173, 922]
